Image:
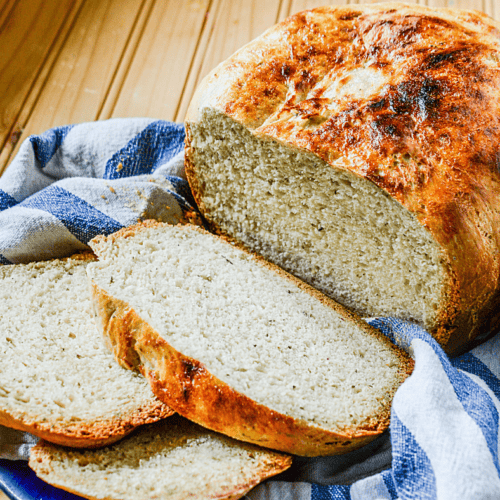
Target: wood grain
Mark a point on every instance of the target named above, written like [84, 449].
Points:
[6, 8]
[29, 32]
[155, 77]
[492, 8]
[230, 25]
[85, 67]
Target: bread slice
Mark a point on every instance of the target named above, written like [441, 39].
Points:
[57, 379]
[239, 346]
[174, 460]
[356, 147]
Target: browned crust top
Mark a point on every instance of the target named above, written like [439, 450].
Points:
[427, 131]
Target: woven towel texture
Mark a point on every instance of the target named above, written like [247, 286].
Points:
[71, 183]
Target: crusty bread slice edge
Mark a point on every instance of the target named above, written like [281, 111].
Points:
[84, 435]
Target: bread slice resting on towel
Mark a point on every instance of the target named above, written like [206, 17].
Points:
[57, 379]
[174, 460]
[238, 345]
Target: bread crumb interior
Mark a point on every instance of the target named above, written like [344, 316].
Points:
[338, 232]
[251, 328]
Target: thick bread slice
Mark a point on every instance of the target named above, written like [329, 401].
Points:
[57, 380]
[239, 346]
[174, 460]
[357, 147]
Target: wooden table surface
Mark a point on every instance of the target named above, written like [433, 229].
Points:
[72, 61]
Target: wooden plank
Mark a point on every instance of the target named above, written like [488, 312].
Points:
[83, 71]
[492, 8]
[230, 25]
[29, 33]
[153, 80]
[6, 7]
[31, 99]
[284, 11]
[123, 67]
[298, 5]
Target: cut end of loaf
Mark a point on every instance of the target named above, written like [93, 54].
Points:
[250, 328]
[327, 226]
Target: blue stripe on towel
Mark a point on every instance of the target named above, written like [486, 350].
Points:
[46, 144]
[182, 201]
[389, 484]
[81, 218]
[475, 401]
[3, 260]
[402, 333]
[181, 187]
[410, 464]
[154, 146]
[6, 200]
[337, 492]
[469, 363]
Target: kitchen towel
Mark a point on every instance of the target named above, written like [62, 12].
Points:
[71, 183]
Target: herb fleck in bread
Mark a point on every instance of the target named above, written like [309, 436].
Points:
[174, 460]
[58, 381]
[239, 346]
[357, 147]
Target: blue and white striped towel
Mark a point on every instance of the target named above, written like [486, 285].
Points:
[72, 183]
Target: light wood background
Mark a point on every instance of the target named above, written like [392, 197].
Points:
[72, 61]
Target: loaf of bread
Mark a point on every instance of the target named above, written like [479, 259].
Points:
[58, 381]
[357, 147]
[238, 345]
[174, 460]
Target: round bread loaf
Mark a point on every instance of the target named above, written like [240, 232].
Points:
[358, 148]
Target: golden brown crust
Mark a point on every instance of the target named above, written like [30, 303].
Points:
[427, 134]
[87, 434]
[192, 391]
